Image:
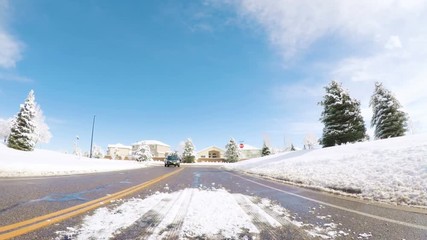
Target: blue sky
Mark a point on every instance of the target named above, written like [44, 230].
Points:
[206, 70]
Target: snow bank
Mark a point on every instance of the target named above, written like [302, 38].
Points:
[14, 163]
[392, 170]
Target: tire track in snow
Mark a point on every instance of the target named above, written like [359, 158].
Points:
[263, 221]
[180, 216]
[172, 222]
[159, 214]
[150, 221]
[165, 216]
[291, 228]
[271, 224]
[145, 222]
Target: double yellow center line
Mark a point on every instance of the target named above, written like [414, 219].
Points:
[24, 227]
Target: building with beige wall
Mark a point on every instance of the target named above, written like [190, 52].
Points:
[247, 151]
[119, 151]
[158, 149]
[213, 153]
[210, 154]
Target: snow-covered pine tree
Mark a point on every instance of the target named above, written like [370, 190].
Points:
[5, 126]
[341, 116]
[188, 156]
[265, 150]
[388, 120]
[22, 132]
[41, 132]
[310, 141]
[232, 152]
[97, 151]
[143, 153]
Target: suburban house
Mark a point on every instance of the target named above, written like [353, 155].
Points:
[216, 154]
[247, 151]
[118, 151]
[210, 154]
[158, 149]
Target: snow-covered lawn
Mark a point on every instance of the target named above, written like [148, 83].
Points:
[14, 163]
[392, 170]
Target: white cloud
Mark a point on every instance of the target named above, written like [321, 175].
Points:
[14, 77]
[293, 26]
[298, 91]
[393, 42]
[201, 27]
[388, 41]
[402, 70]
[10, 48]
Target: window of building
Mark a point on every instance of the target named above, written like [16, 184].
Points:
[213, 154]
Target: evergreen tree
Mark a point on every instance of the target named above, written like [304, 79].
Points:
[41, 132]
[310, 141]
[143, 153]
[265, 150]
[188, 156]
[341, 116]
[97, 151]
[232, 153]
[22, 135]
[5, 126]
[388, 119]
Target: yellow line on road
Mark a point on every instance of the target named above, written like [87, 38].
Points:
[33, 224]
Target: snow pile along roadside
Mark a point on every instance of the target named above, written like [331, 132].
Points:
[392, 170]
[15, 163]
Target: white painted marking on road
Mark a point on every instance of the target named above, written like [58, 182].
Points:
[338, 207]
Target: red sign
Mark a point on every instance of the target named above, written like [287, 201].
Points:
[241, 145]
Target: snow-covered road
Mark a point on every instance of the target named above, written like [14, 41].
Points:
[209, 203]
[195, 213]
[202, 203]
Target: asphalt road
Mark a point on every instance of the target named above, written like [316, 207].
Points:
[26, 198]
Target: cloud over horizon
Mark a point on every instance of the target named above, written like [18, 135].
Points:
[389, 41]
[10, 47]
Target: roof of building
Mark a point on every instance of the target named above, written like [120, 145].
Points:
[211, 147]
[151, 142]
[119, 145]
[248, 147]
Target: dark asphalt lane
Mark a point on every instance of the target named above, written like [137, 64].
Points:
[25, 198]
[382, 222]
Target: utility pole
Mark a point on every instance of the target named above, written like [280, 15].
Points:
[91, 139]
[76, 146]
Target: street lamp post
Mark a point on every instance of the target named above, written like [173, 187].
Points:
[76, 146]
[91, 139]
